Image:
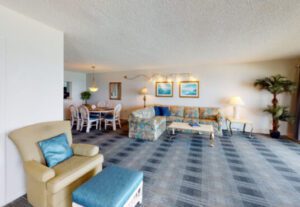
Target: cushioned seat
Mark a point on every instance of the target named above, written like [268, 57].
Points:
[112, 187]
[193, 120]
[72, 169]
[174, 118]
[158, 120]
[109, 116]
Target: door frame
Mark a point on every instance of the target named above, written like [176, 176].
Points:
[3, 81]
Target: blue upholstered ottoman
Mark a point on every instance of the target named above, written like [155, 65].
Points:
[113, 187]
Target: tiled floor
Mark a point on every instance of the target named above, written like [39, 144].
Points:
[186, 172]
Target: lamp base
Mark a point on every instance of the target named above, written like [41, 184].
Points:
[236, 114]
[144, 101]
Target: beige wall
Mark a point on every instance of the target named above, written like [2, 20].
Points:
[217, 84]
[31, 82]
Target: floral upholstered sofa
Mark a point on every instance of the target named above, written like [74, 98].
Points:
[143, 124]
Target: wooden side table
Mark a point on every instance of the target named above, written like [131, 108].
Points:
[244, 122]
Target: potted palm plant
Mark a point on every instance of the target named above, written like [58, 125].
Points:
[85, 95]
[276, 85]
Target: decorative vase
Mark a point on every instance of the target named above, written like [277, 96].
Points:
[275, 134]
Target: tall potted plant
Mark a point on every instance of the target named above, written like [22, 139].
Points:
[85, 95]
[276, 85]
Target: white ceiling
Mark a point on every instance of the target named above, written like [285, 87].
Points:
[152, 34]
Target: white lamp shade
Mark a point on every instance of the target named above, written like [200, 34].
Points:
[144, 91]
[236, 101]
[93, 89]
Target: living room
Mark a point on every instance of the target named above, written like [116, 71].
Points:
[129, 68]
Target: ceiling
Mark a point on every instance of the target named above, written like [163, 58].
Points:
[152, 34]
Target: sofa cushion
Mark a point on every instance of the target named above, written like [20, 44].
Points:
[56, 149]
[209, 113]
[174, 119]
[158, 120]
[70, 170]
[191, 112]
[208, 121]
[191, 120]
[177, 111]
[157, 110]
[146, 113]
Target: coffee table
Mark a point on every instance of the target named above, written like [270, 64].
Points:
[201, 129]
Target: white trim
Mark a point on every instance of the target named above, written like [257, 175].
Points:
[2, 121]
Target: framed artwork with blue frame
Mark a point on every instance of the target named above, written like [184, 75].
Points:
[164, 89]
[189, 89]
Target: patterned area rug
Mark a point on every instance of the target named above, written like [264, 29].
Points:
[186, 172]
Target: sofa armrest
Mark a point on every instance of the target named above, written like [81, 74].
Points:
[87, 150]
[142, 121]
[38, 171]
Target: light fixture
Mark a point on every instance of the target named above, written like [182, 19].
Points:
[144, 92]
[236, 101]
[93, 88]
[160, 77]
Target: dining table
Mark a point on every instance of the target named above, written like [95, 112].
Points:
[101, 110]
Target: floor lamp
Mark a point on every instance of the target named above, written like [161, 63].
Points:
[236, 102]
[144, 92]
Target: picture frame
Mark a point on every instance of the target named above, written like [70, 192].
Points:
[189, 89]
[115, 90]
[164, 89]
[67, 89]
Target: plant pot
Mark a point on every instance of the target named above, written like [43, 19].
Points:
[275, 134]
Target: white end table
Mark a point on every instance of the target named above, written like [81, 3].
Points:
[244, 122]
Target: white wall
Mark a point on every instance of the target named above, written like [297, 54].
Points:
[78, 81]
[31, 88]
[217, 84]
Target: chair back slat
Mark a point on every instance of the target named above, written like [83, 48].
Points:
[84, 112]
[117, 110]
[74, 112]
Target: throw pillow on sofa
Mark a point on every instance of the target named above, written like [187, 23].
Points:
[177, 111]
[165, 111]
[157, 111]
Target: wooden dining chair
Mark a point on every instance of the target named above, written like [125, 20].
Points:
[114, 118]
[86, 120]
[75, 117]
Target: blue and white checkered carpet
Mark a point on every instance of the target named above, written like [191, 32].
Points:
[186, 172]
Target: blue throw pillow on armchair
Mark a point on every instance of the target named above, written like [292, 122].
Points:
[157, 110]
[165, 111]
[56, 149]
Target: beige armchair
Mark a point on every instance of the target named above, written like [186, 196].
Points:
[49, 187]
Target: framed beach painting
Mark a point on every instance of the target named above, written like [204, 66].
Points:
[189, 89]
[164, 89]
[115, 90]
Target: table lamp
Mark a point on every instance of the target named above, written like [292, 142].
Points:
[144, 92]
[236, 101]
